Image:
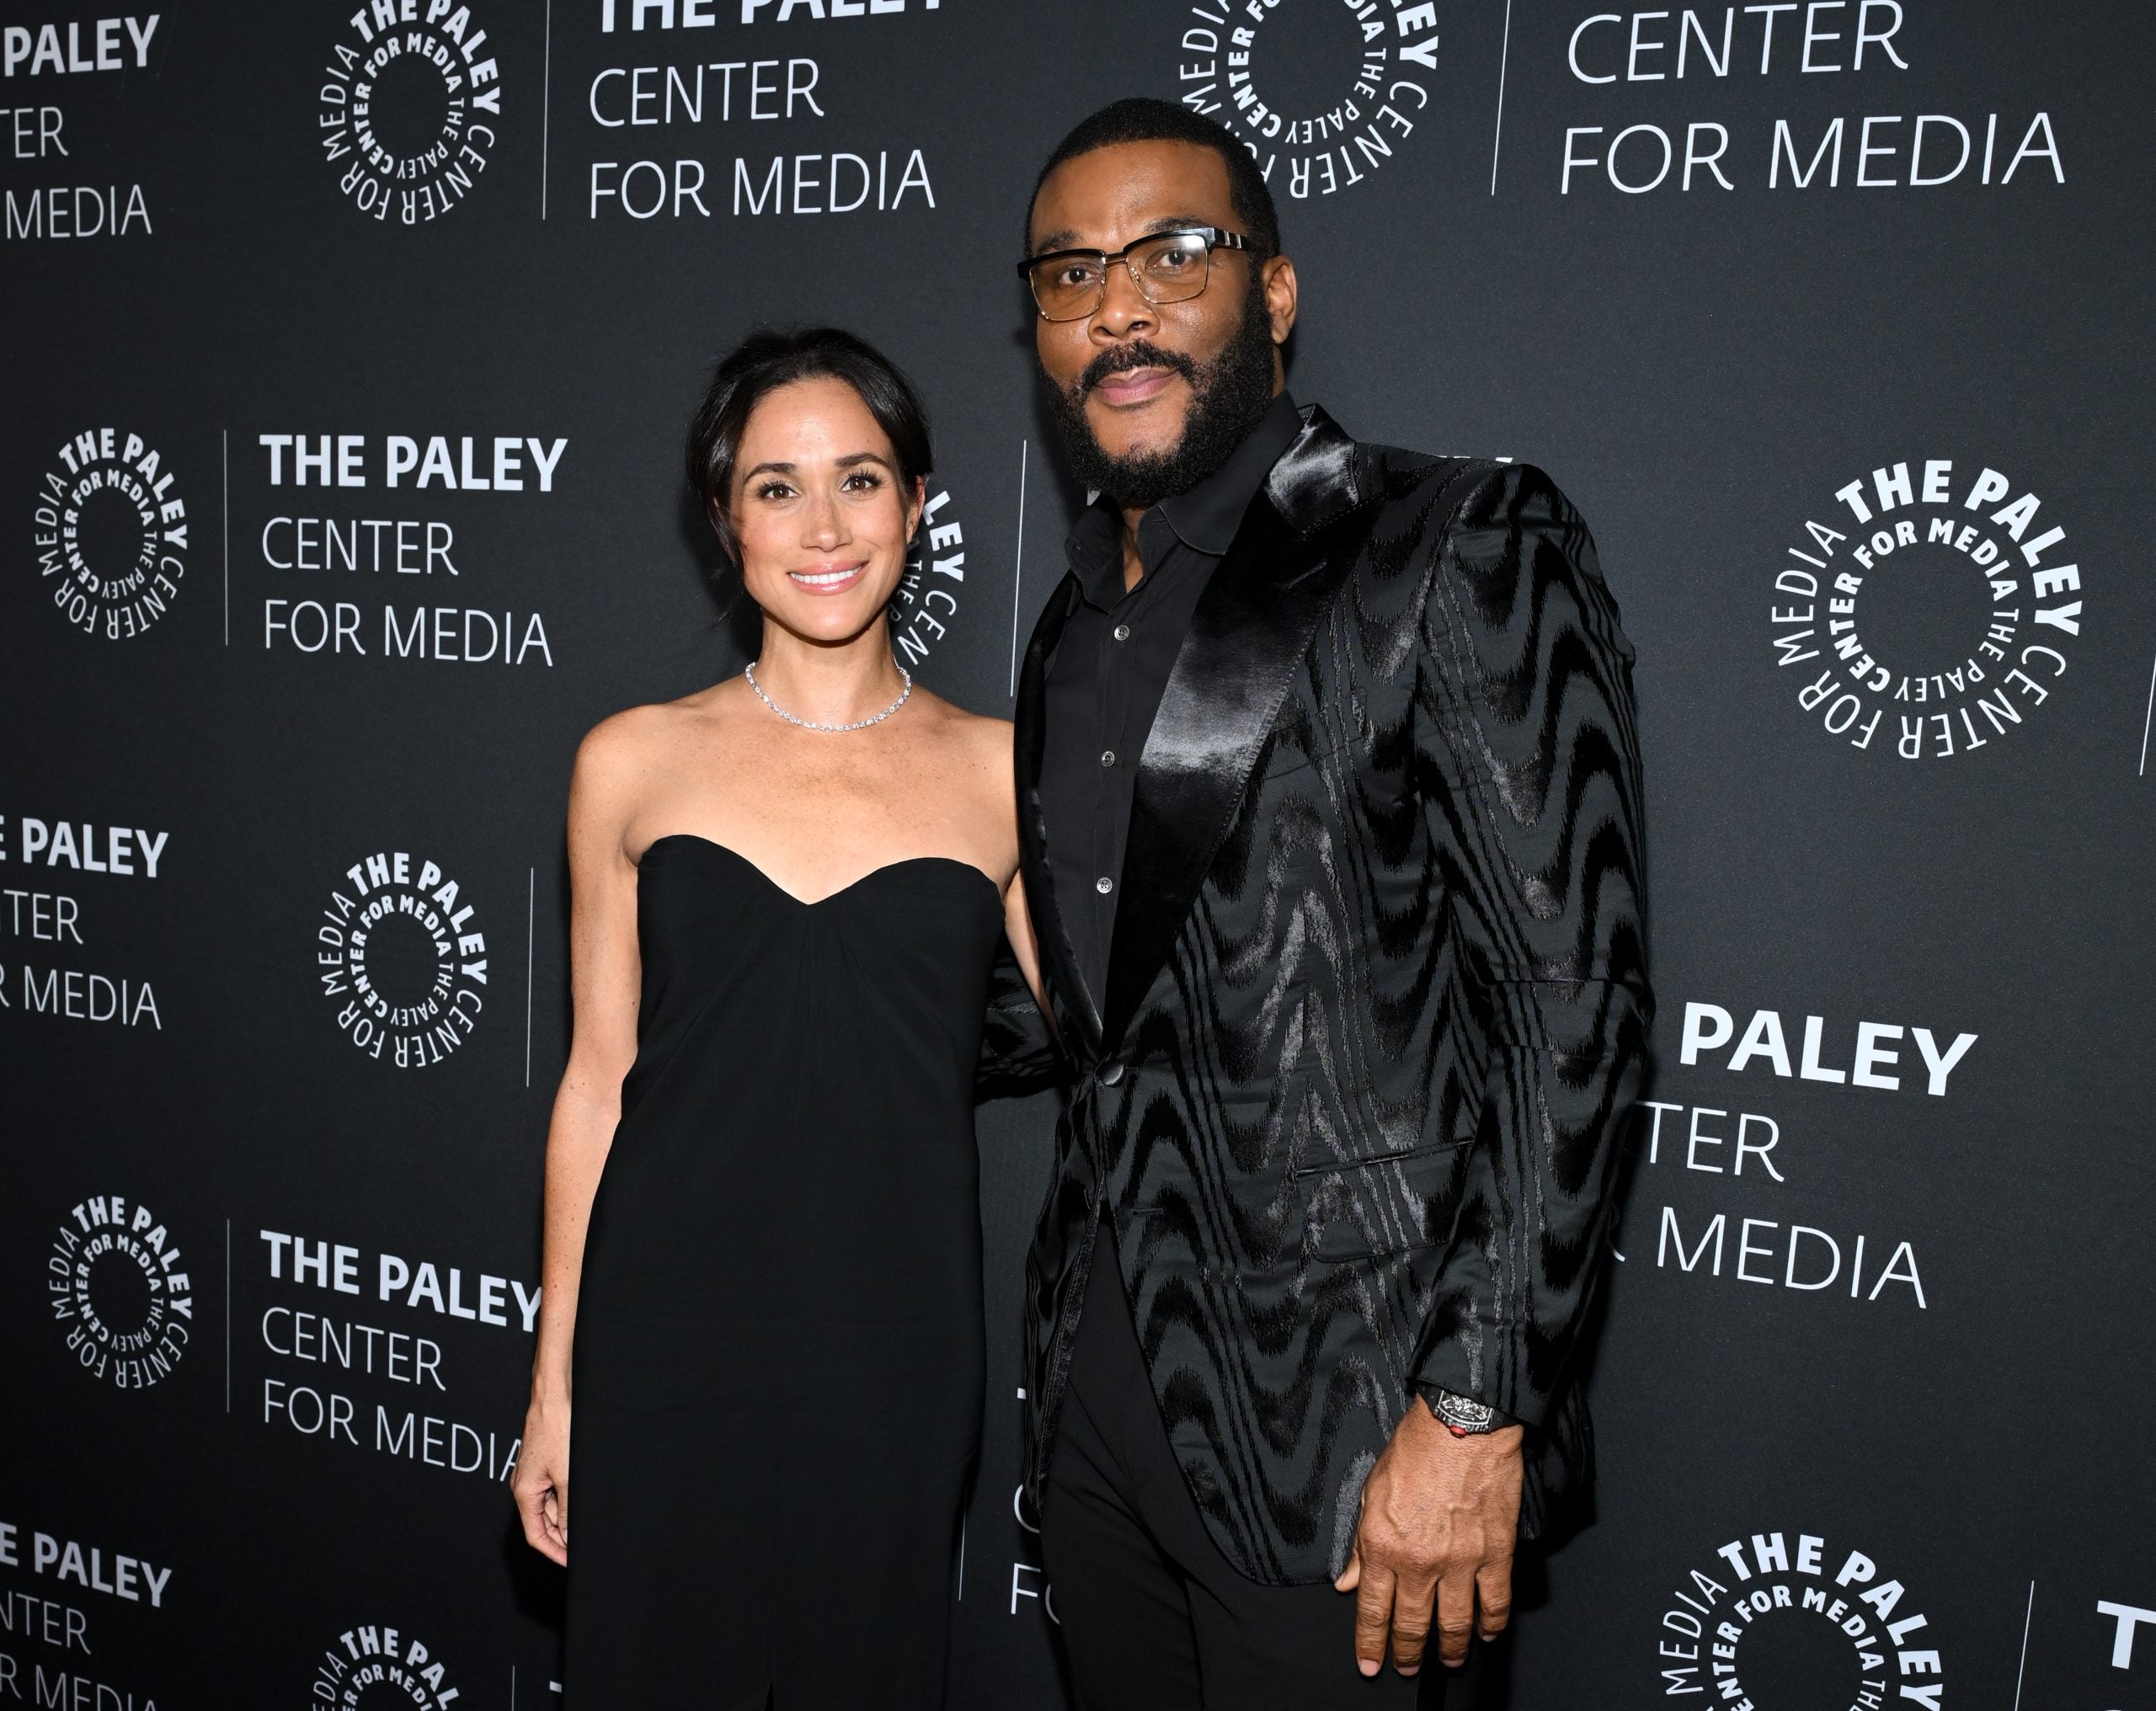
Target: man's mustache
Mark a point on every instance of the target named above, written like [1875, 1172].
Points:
[1125, 357]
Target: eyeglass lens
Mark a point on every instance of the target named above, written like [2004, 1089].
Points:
[1169, 269]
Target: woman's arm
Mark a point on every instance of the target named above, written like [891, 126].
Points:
[605, 977]
[1019, 1051]
[1018, 927]
[1017, 918]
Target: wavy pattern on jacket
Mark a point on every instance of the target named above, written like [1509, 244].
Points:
[1377, 993]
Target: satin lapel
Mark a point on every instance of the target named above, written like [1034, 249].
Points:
[1078, 1012]
[1252, 624]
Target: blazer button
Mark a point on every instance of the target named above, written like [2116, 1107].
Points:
[1111, 1073]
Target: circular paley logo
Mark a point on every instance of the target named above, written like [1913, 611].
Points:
[1324, 95]
[109, 529]
[1932, 613]
[924, 604]
[408, 108]
[119, 1288]
[1787, 1621]
[374, 1668]
[401, 961]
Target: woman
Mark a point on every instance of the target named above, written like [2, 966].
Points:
[763, 1239]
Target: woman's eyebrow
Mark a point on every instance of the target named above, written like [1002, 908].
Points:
[853, 460]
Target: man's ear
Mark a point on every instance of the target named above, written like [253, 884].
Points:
[1279, 279]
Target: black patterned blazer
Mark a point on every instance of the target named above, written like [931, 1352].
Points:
[1376, 996]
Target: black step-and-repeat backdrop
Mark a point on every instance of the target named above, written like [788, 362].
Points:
[348, 348]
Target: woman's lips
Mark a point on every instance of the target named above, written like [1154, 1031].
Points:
[1133, 385]
[831, 580]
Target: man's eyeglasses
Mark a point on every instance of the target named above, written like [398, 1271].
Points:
[1168, 267]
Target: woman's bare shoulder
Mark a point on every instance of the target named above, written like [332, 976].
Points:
[986, 745]
[631, 746]
[620, 745]
[984, 737]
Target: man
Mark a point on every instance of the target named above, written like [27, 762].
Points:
[1329, 807]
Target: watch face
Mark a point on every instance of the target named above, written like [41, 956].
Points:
[1460, 1411]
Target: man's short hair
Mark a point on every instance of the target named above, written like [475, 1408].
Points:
[1144, 119]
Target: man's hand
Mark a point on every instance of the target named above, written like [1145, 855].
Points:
[1439, 1515]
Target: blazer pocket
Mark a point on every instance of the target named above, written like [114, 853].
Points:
[1368, 1208]
[1344, 1166]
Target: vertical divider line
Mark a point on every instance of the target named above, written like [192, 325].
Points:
[228, 1315]
[1018, 569]
[531, 916]
[1504, 54]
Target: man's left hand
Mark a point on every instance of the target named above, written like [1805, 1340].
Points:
[1439, 1515]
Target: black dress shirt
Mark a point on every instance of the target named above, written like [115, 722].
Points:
[1111, 668]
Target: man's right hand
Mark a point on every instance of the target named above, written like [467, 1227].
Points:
[541, 1483]
[1436, 1538]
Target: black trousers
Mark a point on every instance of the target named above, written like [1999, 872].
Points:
[1151, 1614]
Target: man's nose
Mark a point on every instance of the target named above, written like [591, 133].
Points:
[1123, 313]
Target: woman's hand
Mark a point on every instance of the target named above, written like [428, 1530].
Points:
[541, 1483]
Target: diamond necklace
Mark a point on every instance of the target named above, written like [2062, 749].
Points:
[749, 671]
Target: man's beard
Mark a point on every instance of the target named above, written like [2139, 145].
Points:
[1229, 396]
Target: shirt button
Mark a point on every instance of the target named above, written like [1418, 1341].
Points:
[1111, 1073]
[1107, 757]
[1123, 632]
[1104, 885]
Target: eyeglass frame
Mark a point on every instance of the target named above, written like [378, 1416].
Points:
[1215, 236]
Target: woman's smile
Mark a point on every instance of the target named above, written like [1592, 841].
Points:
[830, 580]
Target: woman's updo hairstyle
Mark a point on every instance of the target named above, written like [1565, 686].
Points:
[766, 360]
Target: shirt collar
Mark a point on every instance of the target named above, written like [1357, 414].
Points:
[1204, 518]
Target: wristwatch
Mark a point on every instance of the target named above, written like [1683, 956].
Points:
[1463, 1416]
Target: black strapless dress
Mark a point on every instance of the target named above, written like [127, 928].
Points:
[778, 1363]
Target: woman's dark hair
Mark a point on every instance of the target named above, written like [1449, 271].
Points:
[766, 360]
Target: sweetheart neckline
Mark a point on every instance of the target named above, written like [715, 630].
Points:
[814, 903]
